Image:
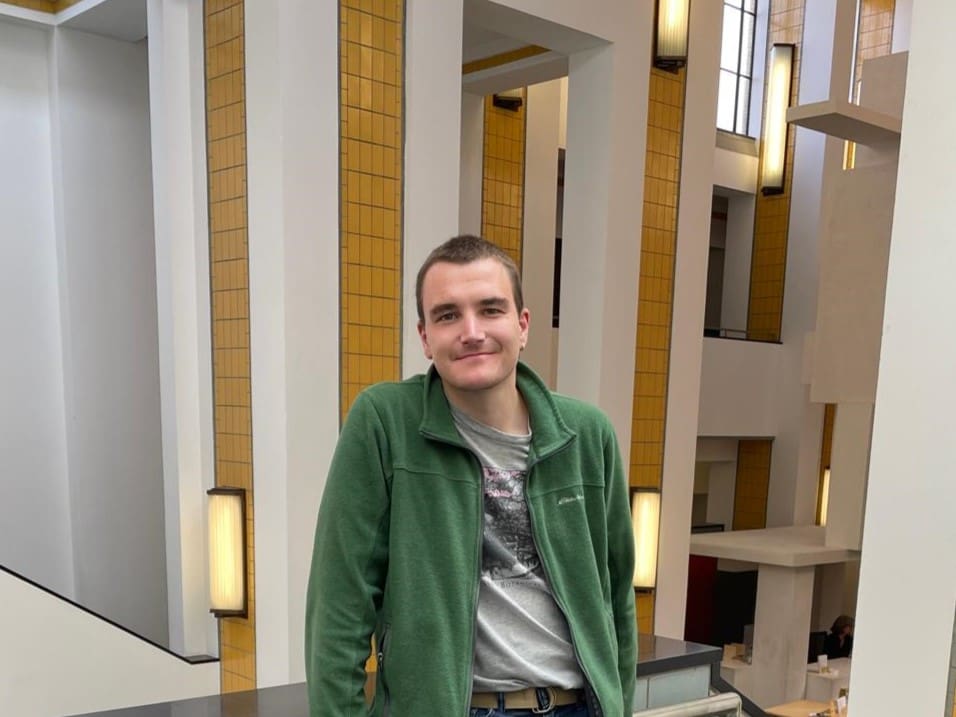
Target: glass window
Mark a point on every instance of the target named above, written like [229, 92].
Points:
[736, 65]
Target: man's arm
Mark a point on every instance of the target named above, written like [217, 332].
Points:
[349, 563]
[621, 567]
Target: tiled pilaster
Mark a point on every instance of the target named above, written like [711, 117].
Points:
[229, 266]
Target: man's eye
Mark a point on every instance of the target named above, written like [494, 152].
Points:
[493, 310]
[444, 317]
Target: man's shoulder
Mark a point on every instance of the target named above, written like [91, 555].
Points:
[387, 394]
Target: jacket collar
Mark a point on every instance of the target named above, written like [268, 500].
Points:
[548, 428]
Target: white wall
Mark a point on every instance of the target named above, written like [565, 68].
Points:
[59, 660]
[103, 190]
[910, 535]
[540, 199]
[34, 498]
[738, 249]
[738, 388]
[293, 176]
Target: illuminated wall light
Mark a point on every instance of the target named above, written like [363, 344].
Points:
[227, 552]
[780, 72]
[670, 40]
[645, 517]
[824, 498]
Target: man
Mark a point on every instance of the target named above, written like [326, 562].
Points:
[476, 523]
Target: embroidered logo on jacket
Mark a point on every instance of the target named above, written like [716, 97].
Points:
[564, 500]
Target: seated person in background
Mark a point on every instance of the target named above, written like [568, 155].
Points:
[839, 642]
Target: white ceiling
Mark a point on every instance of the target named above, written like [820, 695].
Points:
[122, 19]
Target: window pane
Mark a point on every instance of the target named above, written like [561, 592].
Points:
[730, 42]
[750, 5]
[735, 3]
[743, 105]
[726, 95]
[747, 46]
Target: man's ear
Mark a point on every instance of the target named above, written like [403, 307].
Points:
[423, 337]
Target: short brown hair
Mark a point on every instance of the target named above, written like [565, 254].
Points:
[465, 249]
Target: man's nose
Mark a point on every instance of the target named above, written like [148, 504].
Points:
[472, 329]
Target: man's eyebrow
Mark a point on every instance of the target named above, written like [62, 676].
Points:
[438, 309]
[498, 301]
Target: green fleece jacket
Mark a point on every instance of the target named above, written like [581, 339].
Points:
[398, 552]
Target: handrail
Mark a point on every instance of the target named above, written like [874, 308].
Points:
[724, 704]
[719, 683]
[190, 659]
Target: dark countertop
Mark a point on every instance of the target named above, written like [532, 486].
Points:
[655, 655]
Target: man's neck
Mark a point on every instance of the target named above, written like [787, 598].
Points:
[502, 408]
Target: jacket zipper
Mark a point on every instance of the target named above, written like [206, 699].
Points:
[381, 669]
[595, 705]
[480, 556]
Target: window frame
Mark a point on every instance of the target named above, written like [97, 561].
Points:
[741, 128]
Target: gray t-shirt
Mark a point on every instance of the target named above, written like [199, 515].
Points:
[522, 637]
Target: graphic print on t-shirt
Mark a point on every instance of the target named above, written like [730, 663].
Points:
[509, 553]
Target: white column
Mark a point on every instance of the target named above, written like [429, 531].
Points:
[293, 187]
[177, 121]
[687, 329]
[600, 266]
[910, 536]
[472, 163]
[826, 54]
[433, 32]
[540, 200]
[849, 460]
[781, 629]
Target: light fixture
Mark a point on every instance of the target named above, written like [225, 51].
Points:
[670, 39]
[510, 100]
[227, 552]
[780, 71]
[645, 517]
[824, 497]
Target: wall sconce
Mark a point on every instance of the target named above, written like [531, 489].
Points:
[645, 518]
[227, 552]
[824, 497]
[780, 71]
[510, 100]
[670, 39]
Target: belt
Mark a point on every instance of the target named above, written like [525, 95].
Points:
[528, 699]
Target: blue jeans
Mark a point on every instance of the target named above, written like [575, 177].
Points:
[562, 711]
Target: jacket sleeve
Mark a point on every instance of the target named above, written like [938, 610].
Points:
[349, 563]
[621, 568]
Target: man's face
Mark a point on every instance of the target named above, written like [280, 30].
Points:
[472, 329]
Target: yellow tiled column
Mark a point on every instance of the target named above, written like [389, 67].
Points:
[229, 267]
[371, 41]
[502, 186]
[752, 485]
[665, 119]
[772, 213]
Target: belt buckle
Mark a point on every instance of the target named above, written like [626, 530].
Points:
[539, 710]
